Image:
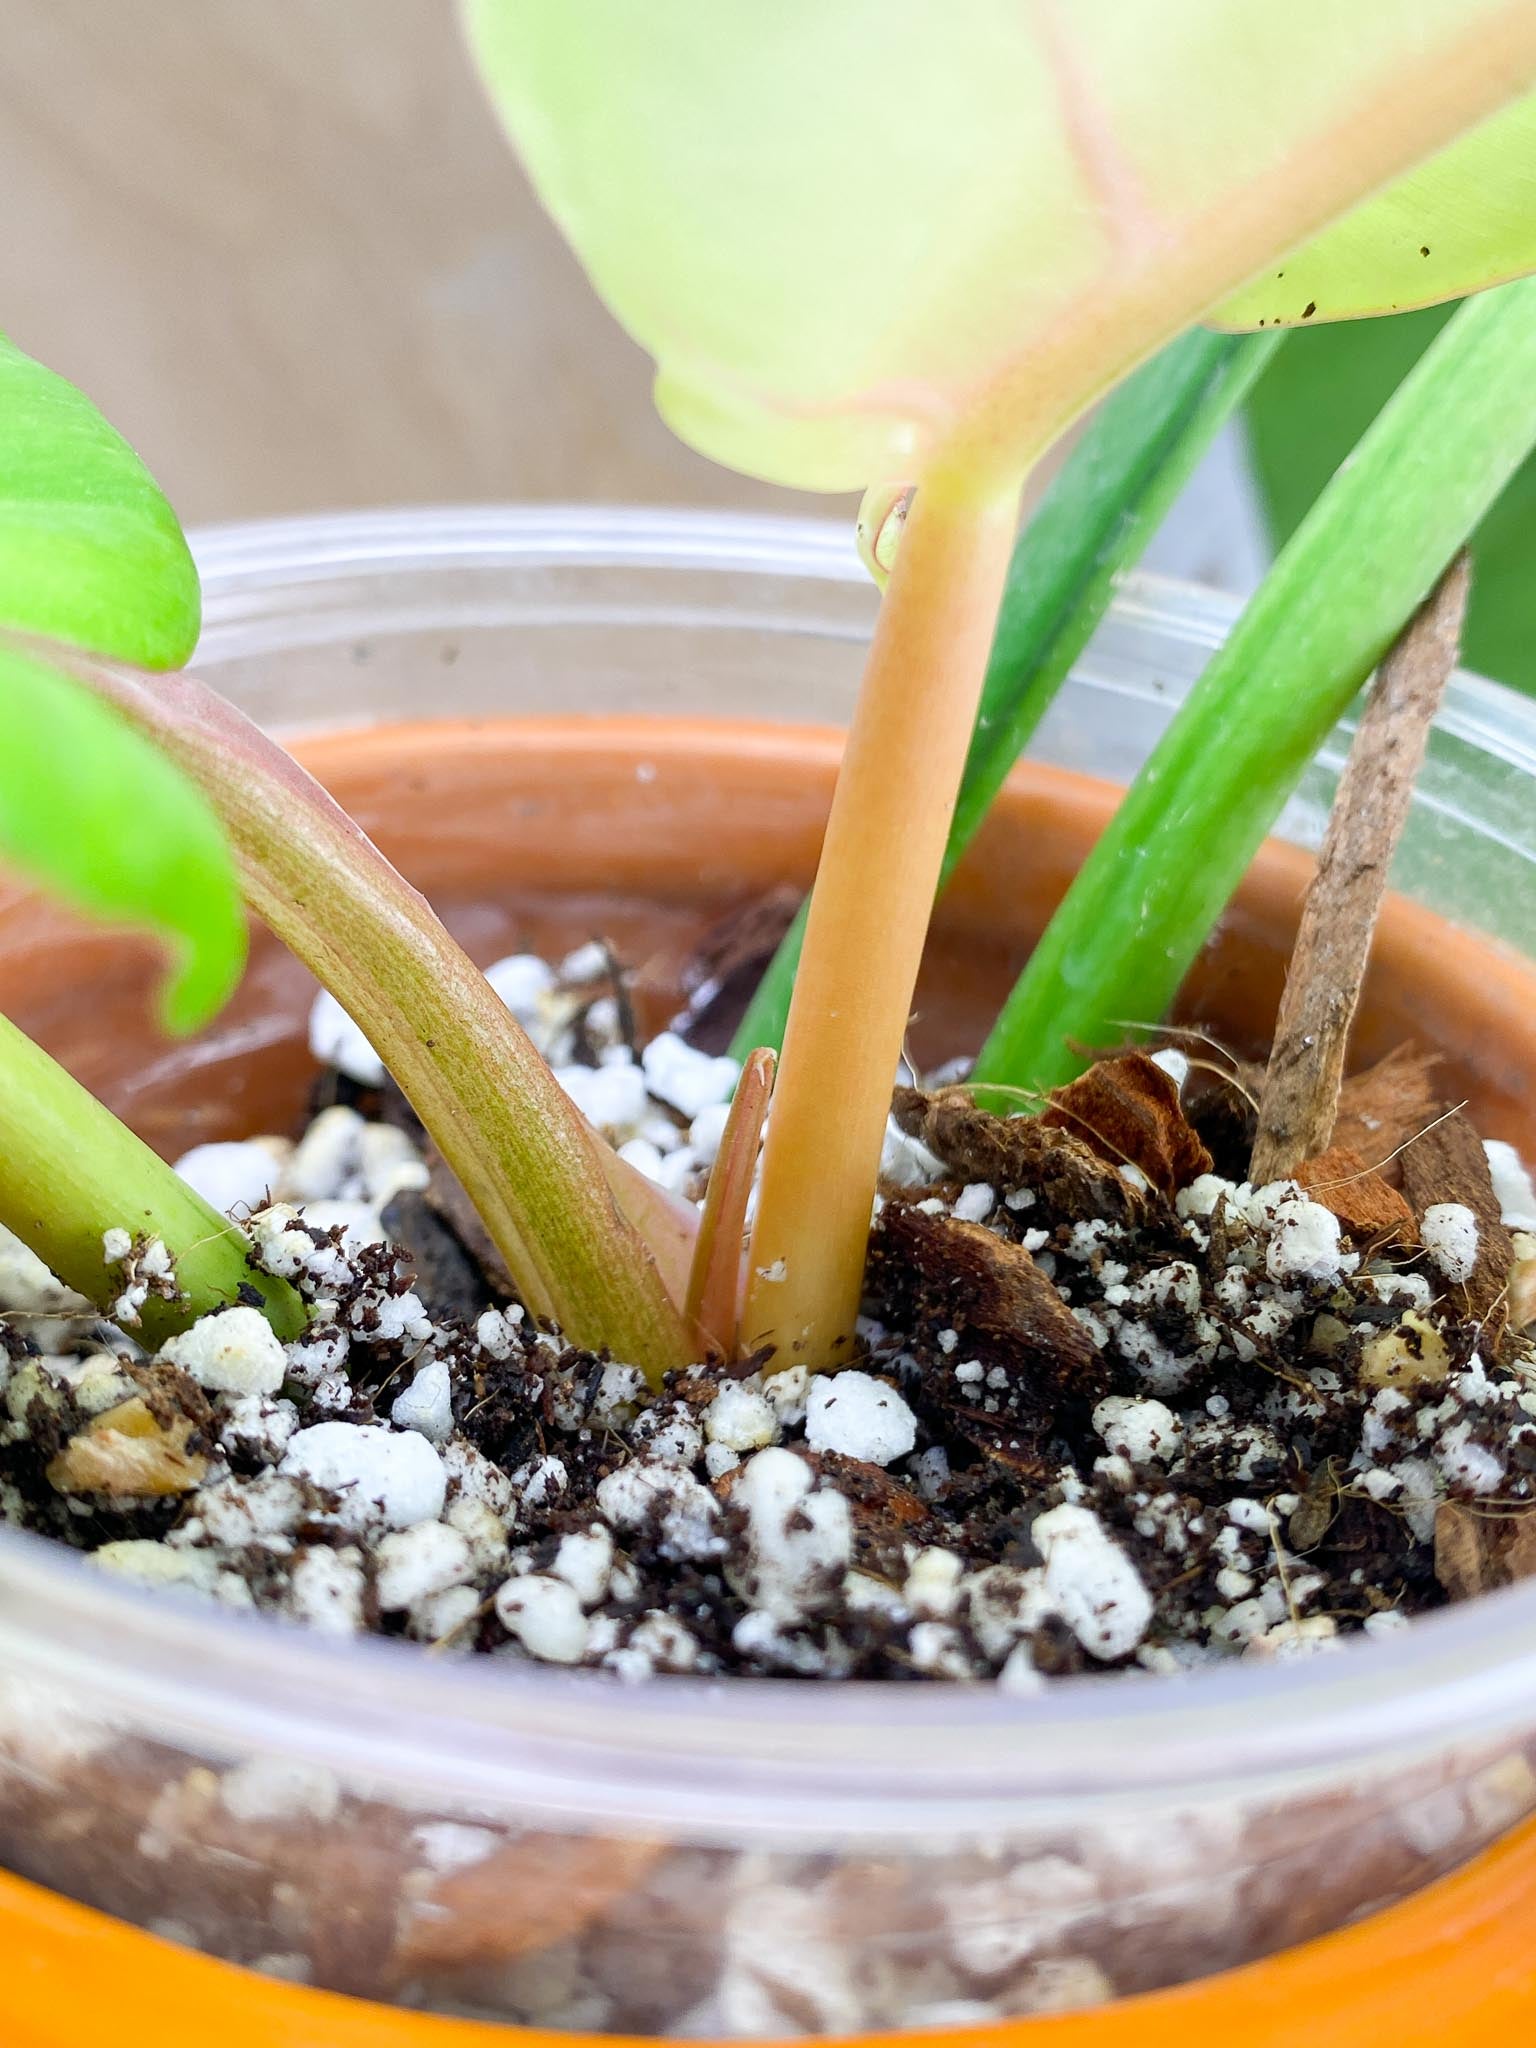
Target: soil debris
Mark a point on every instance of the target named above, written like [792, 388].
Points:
[1061, 1168]
[1383, 1108]
[1128, 1110]
[1371, 1210]
[1112, 1408]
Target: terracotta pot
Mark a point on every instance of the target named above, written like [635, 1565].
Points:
[1210, 1822]
[543, 833]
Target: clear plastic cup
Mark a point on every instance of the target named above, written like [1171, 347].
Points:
[736, 1859]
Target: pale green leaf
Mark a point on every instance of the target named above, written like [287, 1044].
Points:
[863, 236]
[90, 552]
[95, 813]
[1465, 219]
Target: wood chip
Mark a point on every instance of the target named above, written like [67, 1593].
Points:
[1068, 1177]
[1299, 1105]
[1479, 1552]
[1017, 1351]
[1373, 1212]
[128, 1453]
[1384, 1107]
[1314, 1514]
[1448, 1164]
[1128, 1110]
[523, 1898]
[719, 977]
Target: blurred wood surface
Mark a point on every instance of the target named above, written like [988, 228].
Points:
[284, 246]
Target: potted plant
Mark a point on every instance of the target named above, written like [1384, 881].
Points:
[645, 1288]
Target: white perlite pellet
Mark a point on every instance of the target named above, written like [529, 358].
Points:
[975, 1202]
[382, 1478]
[545, 1616]
[233, 1352]
[686, 1514]
[858, 1416]
[411, 1563]
[799, 1539]
[1304, 1244]
[427, 1404]
[1141, 1430]
[336, 1041]
[1448, 1232]
[584, 1560]
[690, 1081]
[906, 1162]
[741, 1418]
[236, 1175]
[523, 981]
[270, 1788]
[612, 1096]
[1092, 1583]
[1512, 1186]
[325, 1590]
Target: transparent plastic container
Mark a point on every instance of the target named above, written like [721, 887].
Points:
[736, 1859]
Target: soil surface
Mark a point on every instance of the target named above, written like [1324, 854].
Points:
[1115, 1407]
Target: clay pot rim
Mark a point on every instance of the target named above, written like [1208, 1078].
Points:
[870, 1757]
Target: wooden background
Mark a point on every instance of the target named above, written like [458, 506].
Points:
[284, 246]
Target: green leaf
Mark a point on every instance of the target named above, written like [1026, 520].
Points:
[861, 237]
[1102, 508]
[90, 552]
[1148, 895]
[1308, 413]
[1463, 220]
[96, 813]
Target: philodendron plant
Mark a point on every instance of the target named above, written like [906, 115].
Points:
[879, 247]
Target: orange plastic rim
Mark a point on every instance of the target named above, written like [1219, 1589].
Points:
[1453, 1966]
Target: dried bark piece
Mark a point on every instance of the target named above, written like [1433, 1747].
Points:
[129, 1453]
[1338, 920]
[1128, 1110]
[448, 1280]
[525, 1897]
[1370, 1210]
[1476, 1553]
[719, 976]
[1448, 1164]
[1314, 1514]
[1383, 1107]
[1071, 1179]
[886, 1514]
[1017, 1351]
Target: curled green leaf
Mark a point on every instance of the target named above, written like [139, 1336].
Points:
[95, 813]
